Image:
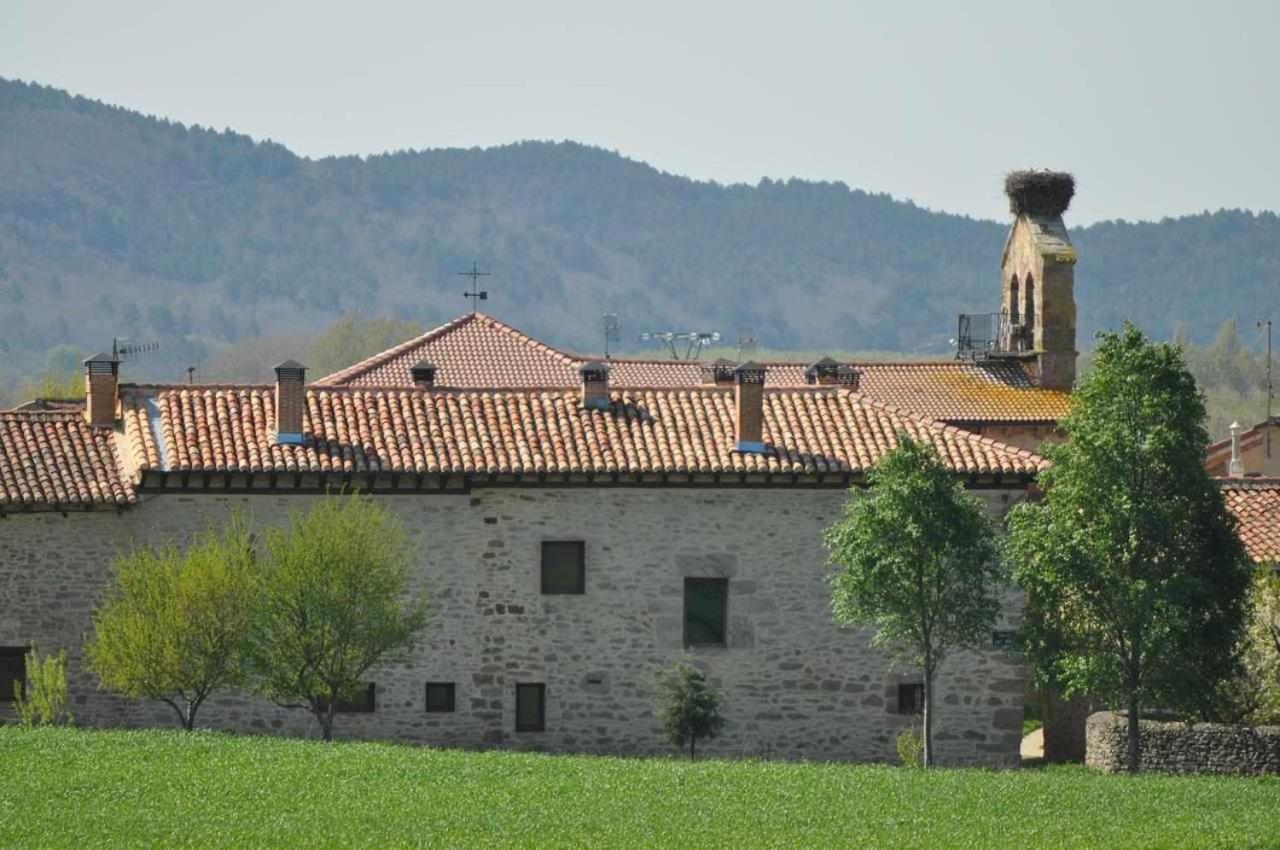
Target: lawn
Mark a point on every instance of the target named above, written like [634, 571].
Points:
[66, 788]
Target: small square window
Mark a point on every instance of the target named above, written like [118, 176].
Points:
[911, 698]
[13, 669]
[705, 611]
[439, 696]
[564, 566]
[363, 704]
[531, 708]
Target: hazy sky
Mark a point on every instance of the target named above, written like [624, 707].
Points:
[1160, 108]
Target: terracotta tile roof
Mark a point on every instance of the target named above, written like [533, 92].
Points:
[54, 460]
[1255, 502]
[481, 352]
[527, 434]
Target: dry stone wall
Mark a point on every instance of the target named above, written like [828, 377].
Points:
[795, 685]
[1181, 748]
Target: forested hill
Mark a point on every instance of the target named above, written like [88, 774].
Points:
[113, 223]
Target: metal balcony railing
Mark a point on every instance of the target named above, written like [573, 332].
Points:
[985, 334]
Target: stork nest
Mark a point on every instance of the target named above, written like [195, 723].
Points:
[1039, 192]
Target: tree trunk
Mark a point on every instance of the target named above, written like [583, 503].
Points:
[928, 714]
[693, 742]
[326, 722]
[1134, 756]
[189, 718]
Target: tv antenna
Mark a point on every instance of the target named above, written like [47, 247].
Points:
[612, 331]
[475, 294]
[1270, 388]
[123, 348]
[191, 374]
[694, 341]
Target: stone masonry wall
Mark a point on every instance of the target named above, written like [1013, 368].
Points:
[1179, 748]
[794, 684]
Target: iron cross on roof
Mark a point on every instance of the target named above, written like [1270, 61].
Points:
[476, 295]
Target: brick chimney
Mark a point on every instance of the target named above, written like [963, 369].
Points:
[1038, 275]
[595, 385]
[719, 373]
[423, 374]
[291, 402]
[748, 381]
[101, 388]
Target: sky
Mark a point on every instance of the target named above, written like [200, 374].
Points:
[1159, 108]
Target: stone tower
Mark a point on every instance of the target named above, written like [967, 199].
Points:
[1038, 275]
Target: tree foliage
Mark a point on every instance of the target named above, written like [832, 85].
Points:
[174, 624]
[335, 601]
[689, 707]
[43, 700]
[1261, 681]
[1137, 580]
[916, 561]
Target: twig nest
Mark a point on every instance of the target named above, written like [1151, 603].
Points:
[1039, 192]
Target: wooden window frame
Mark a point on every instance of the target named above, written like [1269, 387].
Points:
[539, 723]
[453, 697]
[581, 587]
[723, 583]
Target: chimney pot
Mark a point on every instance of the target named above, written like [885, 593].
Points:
[719, 373]
[595, 385]
[424, 374]
[101, 386]
[1236, 469]
[291, 402]
[822, 372]
[748, 381]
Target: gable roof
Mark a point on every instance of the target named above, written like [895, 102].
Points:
[55, 460]
[536, 436]
[477, 351]
[1219, 451]
[1255, 502]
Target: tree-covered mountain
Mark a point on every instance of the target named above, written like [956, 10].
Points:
[117, 224]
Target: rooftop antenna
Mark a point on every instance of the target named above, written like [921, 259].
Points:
[612, 331]
[694, 341]
[191, 374]
[747, 344]
[1270, 387]
[123, 348]
[475, 294]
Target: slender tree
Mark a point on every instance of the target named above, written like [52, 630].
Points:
[174, 624]
[916, 560]
[1138, 579]
[690, 707]
[334, 603]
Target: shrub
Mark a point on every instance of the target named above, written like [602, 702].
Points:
[690, 706]
[910, 744]
[44, 701]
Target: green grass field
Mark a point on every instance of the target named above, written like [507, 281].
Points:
[66, 788]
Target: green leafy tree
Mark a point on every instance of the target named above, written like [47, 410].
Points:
[174, 625]
[43, 702]
[690, 707]
[1137, 579]
[916, 560]
[335, 602]
[1262, 649]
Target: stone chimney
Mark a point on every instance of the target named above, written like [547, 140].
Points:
[748, 381]
[1038, 275]
[424, 374]
[1236, 469]
[595, 385]
[291, 402]
[101, 388]
[719, 373]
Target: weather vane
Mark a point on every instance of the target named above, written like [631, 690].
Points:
[476, 295]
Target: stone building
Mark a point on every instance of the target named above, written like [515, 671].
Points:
[580, 526]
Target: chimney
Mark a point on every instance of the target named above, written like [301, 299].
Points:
[595, 385]
[1236, 469]
[749, 407]
[291, 402]
[101, 386]
[822, 373]
[423, 374]
[847, 376]
[1038, 274]
[719, 373]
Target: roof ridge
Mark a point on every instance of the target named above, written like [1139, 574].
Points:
[361, 366]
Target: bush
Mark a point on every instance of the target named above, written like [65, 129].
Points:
[44, 701]
[690, 707]
[910, 744]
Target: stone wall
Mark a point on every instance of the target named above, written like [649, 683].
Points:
[1174, 747]
[794, 684]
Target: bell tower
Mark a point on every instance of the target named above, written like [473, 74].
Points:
[1037, 275]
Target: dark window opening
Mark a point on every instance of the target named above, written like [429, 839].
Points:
[705, 611]
[440, 696]
[531, 708]
[1030, 312]
[13, 670]
[911, 698]
[363, 704]
[564, 566]
[1013, 302]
